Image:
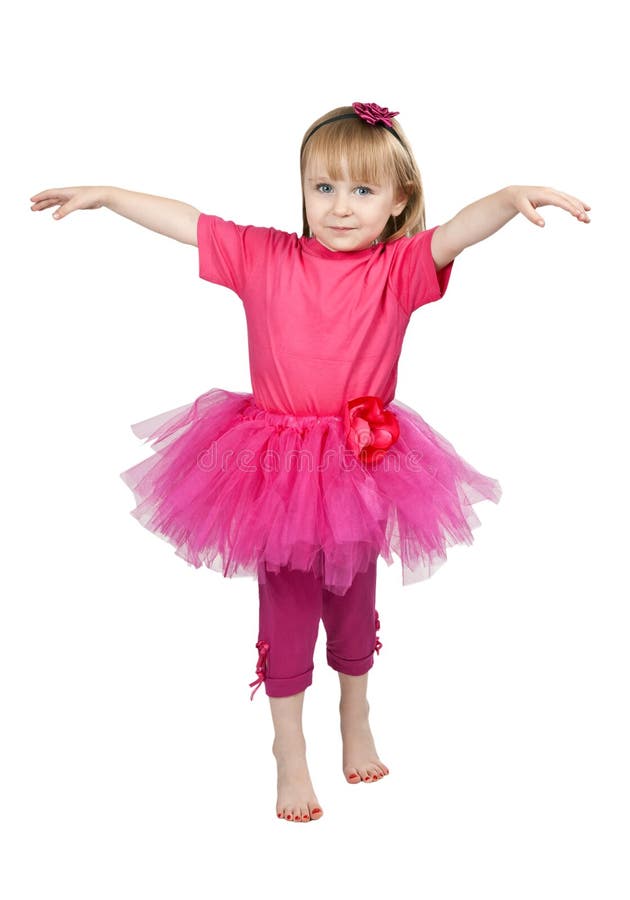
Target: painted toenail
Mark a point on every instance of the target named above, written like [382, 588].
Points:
[317, 809]
[288, 817]
[304, 817]
[279, 815]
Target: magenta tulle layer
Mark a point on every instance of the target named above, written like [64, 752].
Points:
[243, 490]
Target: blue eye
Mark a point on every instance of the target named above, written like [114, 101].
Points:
[318, 187]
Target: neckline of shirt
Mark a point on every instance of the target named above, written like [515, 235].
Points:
[315, 248]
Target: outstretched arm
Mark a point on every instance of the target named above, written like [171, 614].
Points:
[482, 218]
[171, 218]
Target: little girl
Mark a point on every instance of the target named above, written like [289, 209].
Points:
[306, 481]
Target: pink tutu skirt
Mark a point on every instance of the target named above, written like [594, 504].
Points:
[244, 491]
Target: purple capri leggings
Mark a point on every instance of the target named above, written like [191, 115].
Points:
[291, 604]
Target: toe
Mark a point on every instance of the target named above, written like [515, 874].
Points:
[316, 812]
[353, 776]
[304, 815]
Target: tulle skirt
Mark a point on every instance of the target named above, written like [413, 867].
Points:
[245, 491]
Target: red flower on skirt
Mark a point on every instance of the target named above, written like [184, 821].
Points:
[370, 430]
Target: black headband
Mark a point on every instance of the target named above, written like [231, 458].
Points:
[366, 112]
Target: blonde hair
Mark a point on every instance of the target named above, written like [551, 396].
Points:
[373, 155]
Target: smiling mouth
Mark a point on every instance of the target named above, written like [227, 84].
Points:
[340, 228]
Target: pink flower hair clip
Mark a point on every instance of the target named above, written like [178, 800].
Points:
[372, 113]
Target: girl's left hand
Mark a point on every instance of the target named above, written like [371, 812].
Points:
[527, 199]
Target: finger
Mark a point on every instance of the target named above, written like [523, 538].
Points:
[579, 210]
[44, 199]
[529, 212]
[44, 204]
[576, 205]
[56, 195]
[577, 200]
[44, 195]
[566, 201]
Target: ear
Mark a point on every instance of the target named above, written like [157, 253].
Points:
[400, 201]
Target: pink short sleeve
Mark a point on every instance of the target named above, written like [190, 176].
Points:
[413, 276]
[229, 253]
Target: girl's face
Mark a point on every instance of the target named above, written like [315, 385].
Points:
[346, 215]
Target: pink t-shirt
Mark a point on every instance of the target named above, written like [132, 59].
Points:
[323, 327]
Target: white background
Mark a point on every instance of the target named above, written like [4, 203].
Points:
[133, 763]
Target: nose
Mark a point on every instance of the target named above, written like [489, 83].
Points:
[341, 205]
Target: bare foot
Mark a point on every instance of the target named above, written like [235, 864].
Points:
[296, 798]
[360, 759]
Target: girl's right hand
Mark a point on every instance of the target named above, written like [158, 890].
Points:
[68, 199]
